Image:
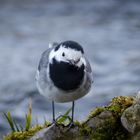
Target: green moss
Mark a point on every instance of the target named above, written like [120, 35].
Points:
[25, 134]
[77, 123]
[123, 100]
[120, 103]
[85, 130]
[111, 127]
[95, 112]
[117, 105]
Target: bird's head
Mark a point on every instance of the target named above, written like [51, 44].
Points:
[68, 52]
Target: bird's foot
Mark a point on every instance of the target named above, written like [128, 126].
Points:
[71, 125]
[54, 122]
[57, 121]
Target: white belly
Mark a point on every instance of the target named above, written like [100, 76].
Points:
[58, 95]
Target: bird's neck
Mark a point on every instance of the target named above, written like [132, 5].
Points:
[66, 76]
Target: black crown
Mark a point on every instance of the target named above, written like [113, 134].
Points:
[70, 44]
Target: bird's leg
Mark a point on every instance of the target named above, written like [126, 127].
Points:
[72, 117]
[53, 112]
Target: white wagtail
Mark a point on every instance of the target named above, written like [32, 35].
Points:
[64, 74]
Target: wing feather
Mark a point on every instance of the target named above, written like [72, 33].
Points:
[43, 63]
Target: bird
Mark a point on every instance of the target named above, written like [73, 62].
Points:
[64, 74]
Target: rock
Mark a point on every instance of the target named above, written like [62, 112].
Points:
[131, 116]
[137, 99]
[59, 132]
[46, 132]
[100, 120]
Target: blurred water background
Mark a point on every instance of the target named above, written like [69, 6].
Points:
[108, 30]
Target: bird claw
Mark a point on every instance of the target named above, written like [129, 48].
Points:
[71, 125]
[55, 123]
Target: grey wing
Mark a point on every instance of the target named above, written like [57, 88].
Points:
[42, 78]
[43, 63]
[89, 70]
[42, 67]
[88, 67]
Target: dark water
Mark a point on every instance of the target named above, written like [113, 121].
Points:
[108, 30]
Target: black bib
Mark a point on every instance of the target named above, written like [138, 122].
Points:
[66, 76]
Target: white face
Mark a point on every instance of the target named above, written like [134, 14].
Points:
[67, 55]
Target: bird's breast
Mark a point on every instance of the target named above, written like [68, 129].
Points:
[66, 76]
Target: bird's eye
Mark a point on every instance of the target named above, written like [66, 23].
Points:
[63, 54]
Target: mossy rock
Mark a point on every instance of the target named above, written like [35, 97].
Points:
[103, 123]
